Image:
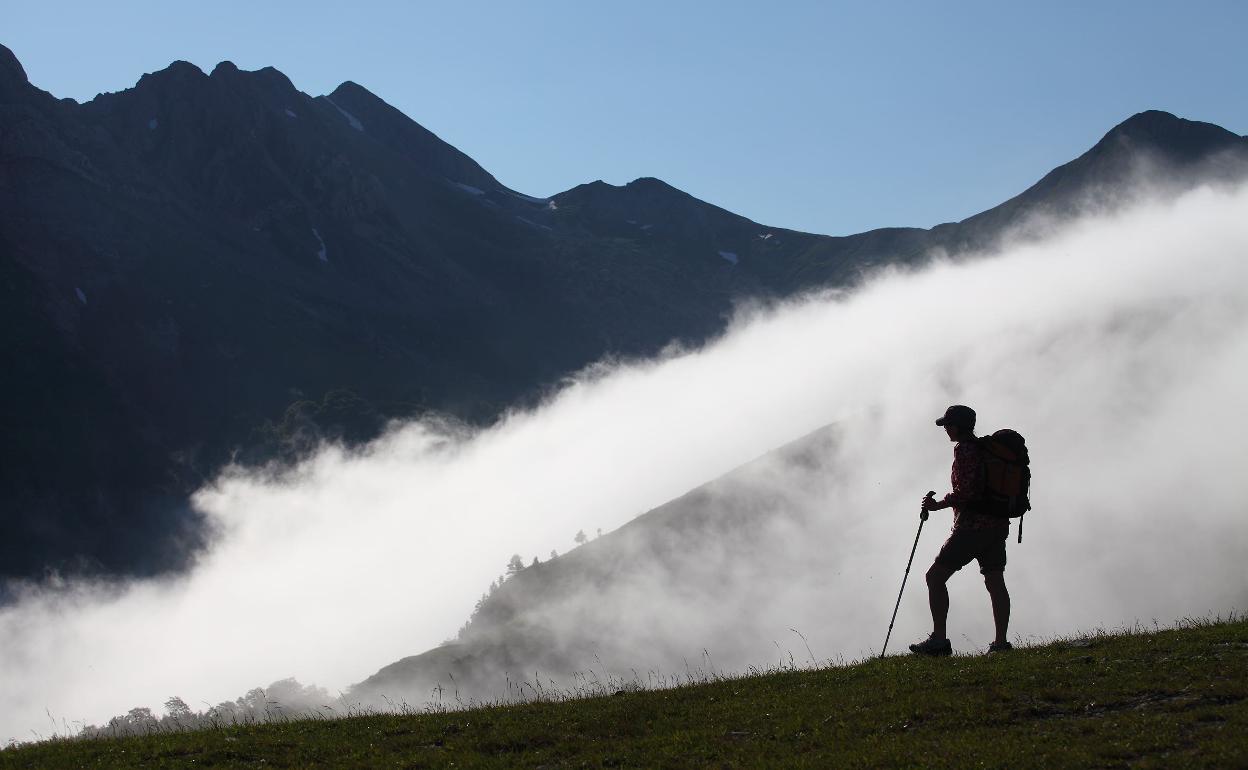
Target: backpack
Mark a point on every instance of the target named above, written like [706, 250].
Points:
[1007, 476]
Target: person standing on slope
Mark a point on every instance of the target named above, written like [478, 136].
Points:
[975, 535]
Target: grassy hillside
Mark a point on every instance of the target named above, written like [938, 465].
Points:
[1167, 698]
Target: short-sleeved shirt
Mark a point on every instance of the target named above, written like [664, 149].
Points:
[967, 479]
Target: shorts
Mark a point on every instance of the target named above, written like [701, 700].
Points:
[986, 545]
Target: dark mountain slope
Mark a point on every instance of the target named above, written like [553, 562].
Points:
[406, 138]
[211, 266]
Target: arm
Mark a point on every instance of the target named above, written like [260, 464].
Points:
[968, 483]
[932, 504]
[968, 478]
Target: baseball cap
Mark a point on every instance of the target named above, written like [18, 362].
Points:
[958, 415]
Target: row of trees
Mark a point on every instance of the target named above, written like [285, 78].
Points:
[287, 698]
[514, 565]
[516, 562]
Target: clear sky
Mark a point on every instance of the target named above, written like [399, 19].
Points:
[821, 116]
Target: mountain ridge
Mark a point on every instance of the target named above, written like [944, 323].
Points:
[1179, 147]
[219, 267]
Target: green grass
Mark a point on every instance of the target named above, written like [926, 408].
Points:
[1144, 698]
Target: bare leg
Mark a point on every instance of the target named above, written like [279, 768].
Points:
[938, 598]
[995, 581]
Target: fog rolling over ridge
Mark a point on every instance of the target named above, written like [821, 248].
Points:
[1118, 346]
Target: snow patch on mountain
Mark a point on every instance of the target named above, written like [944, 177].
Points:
[82, 297]
[353, 120]
[291, 114]
[469, 188]
[321, 253]
[729, 256]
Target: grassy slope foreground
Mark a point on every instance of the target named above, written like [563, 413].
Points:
[1170, 698]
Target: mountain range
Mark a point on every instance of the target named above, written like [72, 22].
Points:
[216, 267]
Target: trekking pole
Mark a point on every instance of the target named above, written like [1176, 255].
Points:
[915, 547]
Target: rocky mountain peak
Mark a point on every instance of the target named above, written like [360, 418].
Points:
[350, 89]
[660, 209]
[178, 73]
[1180, 137]
[372, 116]
[266, 85]
[224, 69]
[12, 75]
[180, 81]
[10, 68]
[274, 77]
[649, 183]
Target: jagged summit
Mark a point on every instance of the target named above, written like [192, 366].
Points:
[181, 75]
[642, 193]
[653, 210]
[267, 84]
[640, 183]
[178, 73]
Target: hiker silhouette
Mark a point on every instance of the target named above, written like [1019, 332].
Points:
[977, 535]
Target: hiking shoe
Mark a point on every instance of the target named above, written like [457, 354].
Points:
[1000, 647]
[932, 646]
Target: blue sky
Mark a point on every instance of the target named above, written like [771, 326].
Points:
[820, 116]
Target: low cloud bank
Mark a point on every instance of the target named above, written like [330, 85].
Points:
[1118, 346]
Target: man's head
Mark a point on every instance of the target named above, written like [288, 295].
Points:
[958, 422]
